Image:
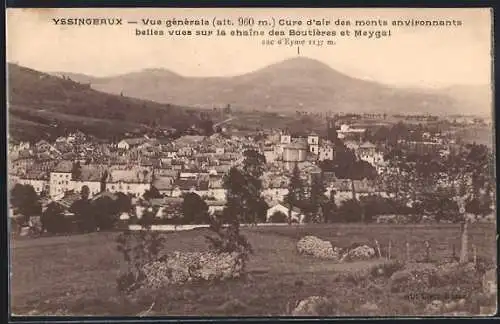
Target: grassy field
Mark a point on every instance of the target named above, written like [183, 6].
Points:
[76, 274]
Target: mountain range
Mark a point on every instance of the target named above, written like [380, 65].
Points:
[45, 106]
[291, 85]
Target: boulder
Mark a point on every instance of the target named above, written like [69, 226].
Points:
[434, 307]
[369, 307]
[314, 246]
[489, 282]
[362, 252]
[25, 231]
[460, 314]
[487, 310]
[450, 305]
[182, 267]
[314, 306]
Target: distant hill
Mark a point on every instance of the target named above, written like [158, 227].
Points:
[294, 84]
[43, 105]
[476, 99]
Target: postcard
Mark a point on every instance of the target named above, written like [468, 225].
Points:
[292, 162]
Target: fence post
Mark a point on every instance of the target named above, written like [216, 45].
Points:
[427, 251]
[378, 249]
[389, 250]
[474, 251]
[454, 253]
[407, 251]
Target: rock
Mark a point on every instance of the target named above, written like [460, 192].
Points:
[232, 306]
[450, 305]
[311, 245]
[457, 314]
[434, 307]
[487, 310]
[179, 268]
[369, 307]
[25, 231]
[363, 252]
[489, 282]
[461, 302]
[313, 306]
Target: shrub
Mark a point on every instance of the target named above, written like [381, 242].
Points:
[53, 219]
[137, 249]
[386, 269]
[228, 239]
[414, 280]
[278, 217]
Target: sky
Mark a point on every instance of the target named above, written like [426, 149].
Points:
[411, 56]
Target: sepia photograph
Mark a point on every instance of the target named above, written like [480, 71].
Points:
[236, 162]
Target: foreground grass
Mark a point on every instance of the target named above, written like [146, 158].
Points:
[76, 274]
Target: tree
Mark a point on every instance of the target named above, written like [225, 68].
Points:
[123, 202]
[106, 212]
[278, 217]
[350, 211]
[332, 131]
[243, 195]
[152, 193]
[76, 171]
[330, 208]
[194, 209]
[243, 189]
[84, 213]
[104, 177]
[295, 193]
[317, 197]
[25, 200]
[53, 219]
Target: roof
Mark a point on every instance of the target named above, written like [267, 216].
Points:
[69, 199]
[189, 139]
[367, 145]
[105, 194]
[360, 186]
[36, 175]
[167, 173]
[294, 209]
[133, 175]
[92, 172]
[296, 146]
[163, 183]
[134, 141]
[64, 166]
[186, 184]
[215, 202]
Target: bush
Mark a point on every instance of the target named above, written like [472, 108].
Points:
[349, 211]
[54, 221]
[386, 269]
[137, 249]
[278, 217]
[412, 280]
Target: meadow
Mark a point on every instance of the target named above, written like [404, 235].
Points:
[76, 275]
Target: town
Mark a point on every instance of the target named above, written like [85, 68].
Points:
[171, 168]
[218, 177]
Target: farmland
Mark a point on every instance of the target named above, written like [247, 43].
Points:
[76, 274]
